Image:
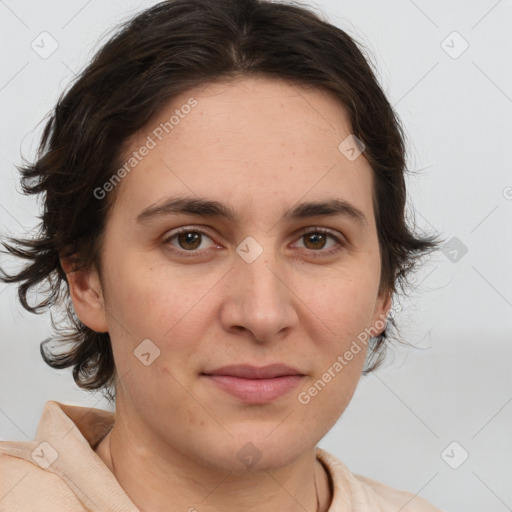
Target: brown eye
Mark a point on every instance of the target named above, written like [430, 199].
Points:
[189, 240]
[321, 242]
[315, 240]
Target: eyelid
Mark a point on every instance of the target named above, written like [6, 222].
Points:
[185, 229]
[340, 240]
[320, 229]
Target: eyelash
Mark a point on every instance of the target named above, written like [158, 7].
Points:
[306, 231]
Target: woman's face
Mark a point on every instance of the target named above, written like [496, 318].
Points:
[248, 288]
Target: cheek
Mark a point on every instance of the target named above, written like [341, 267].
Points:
[146, 301]
[325, 396]
[145, 304]
[343, 305]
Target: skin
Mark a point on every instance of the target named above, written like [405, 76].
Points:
[260, 146]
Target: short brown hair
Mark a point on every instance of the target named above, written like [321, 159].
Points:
[162, 52]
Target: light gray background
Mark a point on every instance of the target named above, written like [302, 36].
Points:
[458, 115]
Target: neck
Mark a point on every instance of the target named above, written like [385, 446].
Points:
[300, 486]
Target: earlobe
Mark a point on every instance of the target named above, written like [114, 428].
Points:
[87, 295]
[386, 307]
[382, 310]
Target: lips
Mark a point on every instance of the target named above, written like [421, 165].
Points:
[245, 371]
[255, 385]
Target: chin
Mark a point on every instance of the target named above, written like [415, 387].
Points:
[266, 449]
[249, 459]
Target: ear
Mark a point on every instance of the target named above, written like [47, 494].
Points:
[382, 308]
[87, 295]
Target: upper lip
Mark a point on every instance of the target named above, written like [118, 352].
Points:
[255, 372]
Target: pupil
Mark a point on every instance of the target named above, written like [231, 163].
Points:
[316, 238]
[189, 238]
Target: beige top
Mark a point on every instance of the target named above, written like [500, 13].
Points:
[60, 471]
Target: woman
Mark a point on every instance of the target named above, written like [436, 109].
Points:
[224, 204]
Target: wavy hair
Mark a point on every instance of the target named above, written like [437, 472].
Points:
[160, 53]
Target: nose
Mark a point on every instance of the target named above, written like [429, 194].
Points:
[259, 302]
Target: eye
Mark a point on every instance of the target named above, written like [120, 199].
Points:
[316, 240]
[189, 240]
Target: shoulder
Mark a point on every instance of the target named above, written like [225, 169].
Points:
[365, 494]
[395, 499]
[25, 486]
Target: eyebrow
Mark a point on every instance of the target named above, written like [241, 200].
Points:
[214, 209]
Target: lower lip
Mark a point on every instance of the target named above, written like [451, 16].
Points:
[256, 391]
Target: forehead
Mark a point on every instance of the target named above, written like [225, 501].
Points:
[251, 140]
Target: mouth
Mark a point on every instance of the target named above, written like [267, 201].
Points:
[255, 385]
